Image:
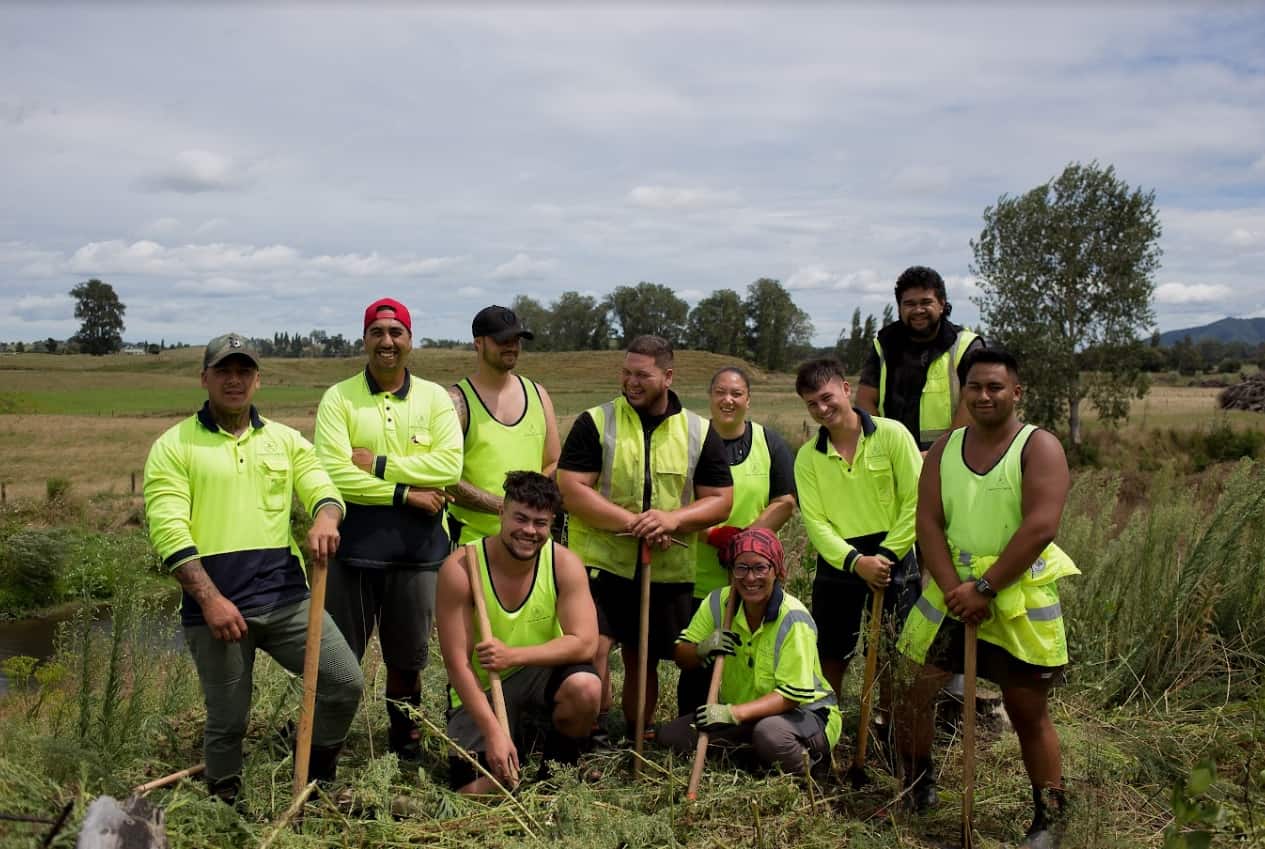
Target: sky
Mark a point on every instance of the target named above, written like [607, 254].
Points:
[274, 167]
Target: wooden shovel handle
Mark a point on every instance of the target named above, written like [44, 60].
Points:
[485, 629]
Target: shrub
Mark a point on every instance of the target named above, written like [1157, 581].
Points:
[57, 489]
[32, 563]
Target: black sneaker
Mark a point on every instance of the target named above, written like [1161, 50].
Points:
[404, 739]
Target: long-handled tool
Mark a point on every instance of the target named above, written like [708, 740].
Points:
[643, 658]
[485, 628]
[968, 739]
[167, 780]
[856, 773]
[311, 665]
[713, 694]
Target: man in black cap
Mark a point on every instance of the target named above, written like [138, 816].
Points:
[508, 423]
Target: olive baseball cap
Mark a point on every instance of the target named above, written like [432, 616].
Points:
[221, 348]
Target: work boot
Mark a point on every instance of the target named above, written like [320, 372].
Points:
[600, 736]
[225, 789]
[920, 787]
[1049, 807]
[403, 737]
[322, 763]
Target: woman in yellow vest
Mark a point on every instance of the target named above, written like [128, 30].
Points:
[763, 470]
[772, 693]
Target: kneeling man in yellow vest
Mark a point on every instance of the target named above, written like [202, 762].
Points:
[772, 694]
[990, 501]
[543, 637]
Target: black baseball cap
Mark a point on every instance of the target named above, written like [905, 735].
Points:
[501, 323]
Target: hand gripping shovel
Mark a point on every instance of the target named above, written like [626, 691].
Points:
[856, 773]
[485, 629]
[713, 694]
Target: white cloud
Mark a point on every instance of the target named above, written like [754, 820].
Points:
[375, 265]
[1243, 238]
[867, 281]
[523, 267]
[44, 307]
[809, 277]
[165, 226]
[1191, 293]
[195, 171]
[470, 292]
[693, 295]
[680, 197]
[1259, 165]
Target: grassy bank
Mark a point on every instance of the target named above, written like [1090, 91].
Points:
[1167, 675]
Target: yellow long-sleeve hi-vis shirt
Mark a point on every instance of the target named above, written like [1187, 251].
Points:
[226, 501]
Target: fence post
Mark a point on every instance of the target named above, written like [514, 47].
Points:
[133, 483]
[4, 493]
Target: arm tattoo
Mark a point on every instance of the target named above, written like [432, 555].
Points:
[470, 496]
[459, 404]
[196, 582]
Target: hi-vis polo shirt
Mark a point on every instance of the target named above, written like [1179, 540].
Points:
[779, 656]
[875, 496]
[226, 500]
[415, 436]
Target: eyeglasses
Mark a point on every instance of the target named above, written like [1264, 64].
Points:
[759, 569]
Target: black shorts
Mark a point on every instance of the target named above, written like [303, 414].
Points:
[948, 652]
[841, 598]
[618, 602]
[530, 695]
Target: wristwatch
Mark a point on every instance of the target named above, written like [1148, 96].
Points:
[984, 588]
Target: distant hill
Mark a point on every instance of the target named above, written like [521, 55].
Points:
[1249, 330]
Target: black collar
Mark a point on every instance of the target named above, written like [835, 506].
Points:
[775, 603]
[208, 421]
[376, 389]
[867, 429]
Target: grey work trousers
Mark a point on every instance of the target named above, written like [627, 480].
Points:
[778, 741]
[226, 671]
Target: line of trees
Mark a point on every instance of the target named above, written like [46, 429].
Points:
[765, 327]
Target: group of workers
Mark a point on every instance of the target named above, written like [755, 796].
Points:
[924, 488]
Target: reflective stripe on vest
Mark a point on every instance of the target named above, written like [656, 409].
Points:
[675, 447]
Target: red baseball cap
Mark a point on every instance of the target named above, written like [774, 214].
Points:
[388, 308]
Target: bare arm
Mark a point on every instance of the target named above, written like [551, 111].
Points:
[463, 492]
[582, 500]
[776, 514]
[867, 398]
[1046, 481]
[711, 506]
[553, 442]
[221, 615]
[932, 542]
[454, 619]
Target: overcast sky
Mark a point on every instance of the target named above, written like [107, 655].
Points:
[261, 169]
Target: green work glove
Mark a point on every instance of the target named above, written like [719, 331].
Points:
[711, 718]
[716, 643]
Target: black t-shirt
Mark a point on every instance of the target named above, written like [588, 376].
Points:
[582, 451]
[907, 362]
[781, 460]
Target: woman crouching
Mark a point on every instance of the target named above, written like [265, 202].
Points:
[772, 693]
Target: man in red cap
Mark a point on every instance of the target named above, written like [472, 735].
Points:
[391, 442]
